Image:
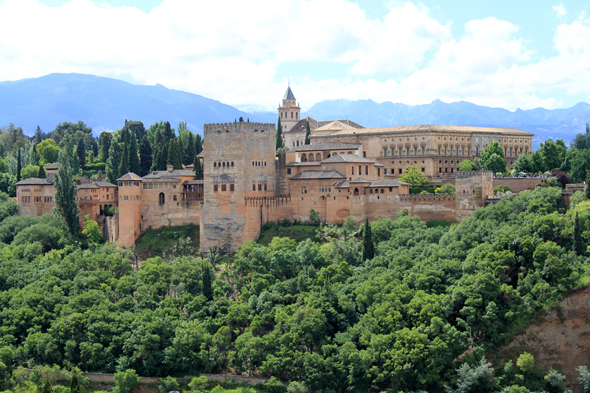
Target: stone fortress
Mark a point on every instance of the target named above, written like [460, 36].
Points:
[346, 171]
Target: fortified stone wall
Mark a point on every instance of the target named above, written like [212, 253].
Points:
[430, 207]
[239, 163]
[171, 212]
[518, 184]
[130, 217]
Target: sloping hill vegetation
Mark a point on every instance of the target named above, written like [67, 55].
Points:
[313, 312]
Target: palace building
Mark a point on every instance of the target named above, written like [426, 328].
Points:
[347, 170]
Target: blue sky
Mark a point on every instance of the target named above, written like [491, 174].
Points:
[507, 54]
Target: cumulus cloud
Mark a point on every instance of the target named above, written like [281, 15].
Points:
[230, 51]
[559, 10]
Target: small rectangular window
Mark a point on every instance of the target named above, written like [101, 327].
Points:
[231, 187]
[223, 187]
[288, 171]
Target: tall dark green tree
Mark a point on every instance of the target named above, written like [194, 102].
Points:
[198, 144]
[180, 148]
[42, 174]
[75, 386]
[123, 168]
[19, 165]
[279, 142]
[368, 246]
[189, 151]
[105, 145]
[66, 205]
[198, 168]
[578, 245]
[307, 133]
[81, 152]
[587, 187]
[163, 157]
[207, 290]
[174, 155]
[47, 387]
[145, 155]
[114, 161]
[134, 164]
[94, 147]
[38, 136]
[168, 133]
[137, 128]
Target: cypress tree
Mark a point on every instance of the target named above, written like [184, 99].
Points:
[94, 147]
[134, 164]
[279, 142]
[38, 136]
[189, 151]
[180, 148]
[105, 145]
[578, 243]
[47, 387]
[198, 168]
[114, 161]
[174, 155]
[198, 144]
[168, 133]
[81, 152]
[18, 165]
[42, 174]
[75, 386]
[163, 156]
[307, 133]
[145, 153]
[587, 187]
[207, 290]
[65, 188]
[123, 169]
[368, 247]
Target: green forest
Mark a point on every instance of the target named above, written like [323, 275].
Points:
[320, 313]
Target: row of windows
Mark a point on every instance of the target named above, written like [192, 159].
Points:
[260, 187]
[27, 199]
[400, 171]
[223, 187]
[325, 189]
[131, 197]
[255, 163]
[400, 151]
[158, 186]
[286, 115]
[129, 184]
[223, 164]
[454, 150]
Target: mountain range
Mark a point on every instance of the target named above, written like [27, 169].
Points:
[105, 104]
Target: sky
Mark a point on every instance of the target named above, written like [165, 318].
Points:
[511, 54]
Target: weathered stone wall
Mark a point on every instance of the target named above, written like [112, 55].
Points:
[37, 205]
[518, 184]
[129, 213]
[471, 191]
[172, 212]
[241, 155]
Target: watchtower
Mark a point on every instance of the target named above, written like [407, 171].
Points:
[239, 164]
[289, 111]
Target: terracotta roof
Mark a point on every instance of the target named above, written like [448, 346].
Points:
[348, 158]
[328, 146]
[34, 181]
[87, 185]
[129, 176]
[193, 182]
[330, 174]
[388, 183]
[104, 184]
[435, 128]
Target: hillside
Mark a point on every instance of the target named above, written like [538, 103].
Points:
[104, 104]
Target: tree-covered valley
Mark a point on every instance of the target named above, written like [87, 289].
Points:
[420, 315]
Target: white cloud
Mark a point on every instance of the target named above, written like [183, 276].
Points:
[559, 10]
[231, 51]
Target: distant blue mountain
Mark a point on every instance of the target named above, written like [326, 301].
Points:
[104, 104]
[544, 123]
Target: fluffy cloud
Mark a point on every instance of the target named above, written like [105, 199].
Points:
[559, 10]
[237, 53]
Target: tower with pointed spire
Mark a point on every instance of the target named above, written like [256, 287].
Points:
[289, 111]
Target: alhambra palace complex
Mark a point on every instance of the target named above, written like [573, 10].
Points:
[346, 171]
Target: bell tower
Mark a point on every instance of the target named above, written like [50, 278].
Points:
[289, 111]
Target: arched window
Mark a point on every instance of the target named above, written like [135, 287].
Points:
[296, 115]
[162, 198]
[304, 157]
[214, 165]
[356, 191]
[232, 163]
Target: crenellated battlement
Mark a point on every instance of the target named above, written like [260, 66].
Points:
[464, 174]
[238, 126]
[426, 197]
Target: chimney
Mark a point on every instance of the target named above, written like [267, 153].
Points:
[170, 168]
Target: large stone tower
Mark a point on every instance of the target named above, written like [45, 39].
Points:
[239, 161]
[289, 112]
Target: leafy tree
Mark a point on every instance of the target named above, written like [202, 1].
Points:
[126, 381]
[168, 132]
[538, 161]
[134, 164]
[174, 155]
[198, 383]
[47, 387]
[475, 379]
[279, 135]
[314, 216]
[81, 152]
[307, 133]
[47, 151]
[38, 137]
[446, 188]
[41, 174]
[524, 163]
[501, 188]
[74, 130]
[136, 128]
[75, 385]
[12, 138]
[198, 168]
[414, 176]
[168, 384]
[465, 165]
[7, 184]
[92, 231]
[105, 145]
[145, 154]
[584, 378]
[66, 205]
[582, 140]
[368, 246]
[30, 171]
[492, 158]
